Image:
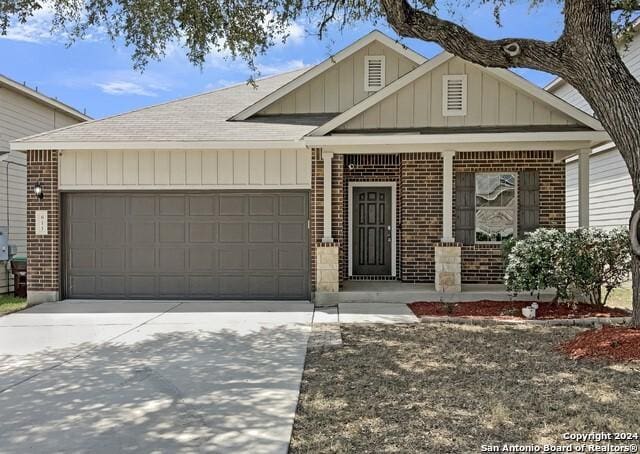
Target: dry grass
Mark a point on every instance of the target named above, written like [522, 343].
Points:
[621, 297]
[10, 304]
[452, 388]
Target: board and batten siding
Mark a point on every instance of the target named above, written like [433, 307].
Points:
[20, 116]
[184, 169]
[490, 102]
[342, 86]
[610, 191]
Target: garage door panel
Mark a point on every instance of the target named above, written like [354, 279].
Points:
[171, 232]
[232, 259]
[232, 205]
[292, 232]
[232, 232]
[262, 232]
[142, 259]
[142, 232]
[262, 205]
[142, 205]
[112, 259]
[186, 245]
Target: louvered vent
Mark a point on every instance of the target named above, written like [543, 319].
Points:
[373, 73]
[454, 93]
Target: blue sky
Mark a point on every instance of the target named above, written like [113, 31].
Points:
[97, 75]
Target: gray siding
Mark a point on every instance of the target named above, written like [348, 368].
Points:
[611, 194]
[19, 117]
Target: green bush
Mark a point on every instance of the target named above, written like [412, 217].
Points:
[578, 264]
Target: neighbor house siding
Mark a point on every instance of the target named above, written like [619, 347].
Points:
[490, 102]
[610, 189]
[342, 86]
[185, 169]
[19, 117]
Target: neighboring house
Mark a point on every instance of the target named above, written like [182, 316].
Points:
[374, 164]
[610, 189]
[23, 112]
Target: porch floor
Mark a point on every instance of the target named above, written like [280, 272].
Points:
[407, 292]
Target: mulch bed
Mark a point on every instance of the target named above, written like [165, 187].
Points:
[614, 343]
[513, 310]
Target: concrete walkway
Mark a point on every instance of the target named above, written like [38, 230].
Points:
[105, 377]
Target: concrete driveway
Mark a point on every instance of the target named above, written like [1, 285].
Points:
[151, 377]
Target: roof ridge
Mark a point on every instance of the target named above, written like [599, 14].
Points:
[120, 114]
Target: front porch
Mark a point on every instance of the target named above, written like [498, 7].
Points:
[362, 291]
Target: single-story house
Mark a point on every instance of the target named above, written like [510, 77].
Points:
[610, 188]
[24, 111]
[376, 164]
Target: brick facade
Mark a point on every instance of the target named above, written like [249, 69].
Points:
[43, 251]
[419, 182]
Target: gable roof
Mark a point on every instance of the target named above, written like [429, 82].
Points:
[503, 74]
[375, 35]
[42, 99]
[191, 122]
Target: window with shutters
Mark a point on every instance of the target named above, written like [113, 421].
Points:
[496, 207]
[373, 72]
[454, 95]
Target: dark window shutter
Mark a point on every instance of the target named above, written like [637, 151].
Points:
[529, 202]
[465, 207]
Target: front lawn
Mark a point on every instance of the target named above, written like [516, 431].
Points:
[447, 388]
[621, 297]
[10, 304]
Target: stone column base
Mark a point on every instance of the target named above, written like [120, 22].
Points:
[42, 296]
[448, 261]
[327, 277]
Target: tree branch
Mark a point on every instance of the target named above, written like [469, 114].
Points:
[625, 5]
[410, 22]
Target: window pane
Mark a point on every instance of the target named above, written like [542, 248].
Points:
[493, 190]
[494, 224]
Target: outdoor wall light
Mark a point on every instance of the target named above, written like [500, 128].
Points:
[38, 191]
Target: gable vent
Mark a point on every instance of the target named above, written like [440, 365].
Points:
[373, 72]
[454, 95]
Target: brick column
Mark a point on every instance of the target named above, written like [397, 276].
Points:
[43, 250]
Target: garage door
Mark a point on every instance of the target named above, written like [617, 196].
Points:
[225, 245]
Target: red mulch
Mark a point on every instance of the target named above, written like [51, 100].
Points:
[513, 310]
[614, 343]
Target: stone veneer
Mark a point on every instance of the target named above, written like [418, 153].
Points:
[327, 279]
[448, 269]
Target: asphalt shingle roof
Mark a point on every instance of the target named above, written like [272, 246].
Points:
[197, 118]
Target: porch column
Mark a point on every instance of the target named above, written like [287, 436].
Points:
[447, 196]
[583, 187]
[327, 236]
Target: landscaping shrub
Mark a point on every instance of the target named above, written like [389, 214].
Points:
[581, 263]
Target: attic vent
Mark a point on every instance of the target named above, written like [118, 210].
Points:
[454, 95]
[373, 72]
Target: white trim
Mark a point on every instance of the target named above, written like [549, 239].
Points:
[546, 97]
[392, 185]
[470, 138]
[447, 196]
[583, 187]
[181, 187]
[30, 93]
[161, 145]
[380, 95]
[375, 35]
[367, 61]
[327, 177]
[446, 112]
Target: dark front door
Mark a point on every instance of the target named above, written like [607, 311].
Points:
[371, 231]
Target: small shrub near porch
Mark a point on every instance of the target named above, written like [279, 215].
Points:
[582, 264]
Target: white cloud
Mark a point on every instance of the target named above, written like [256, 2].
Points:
[35, 30]
[267, 69]
[125, 88]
